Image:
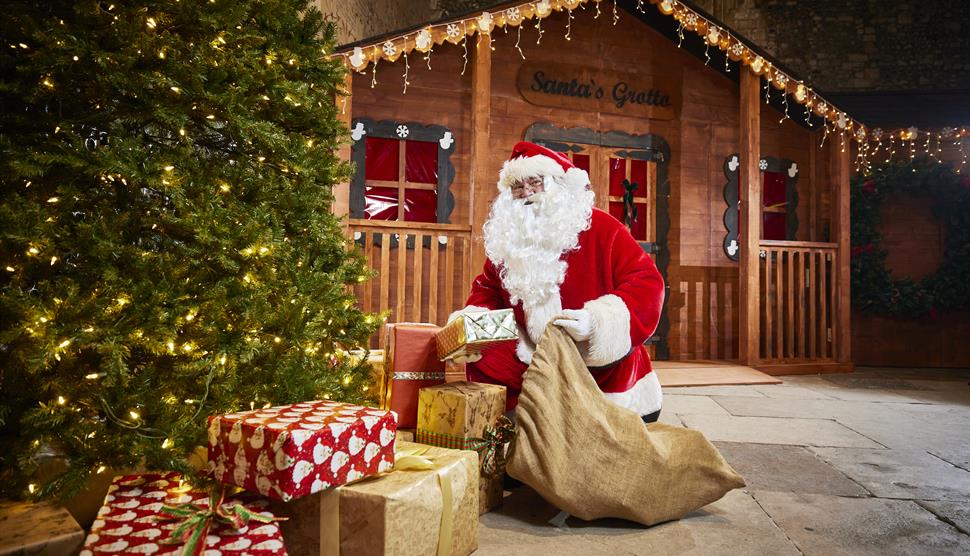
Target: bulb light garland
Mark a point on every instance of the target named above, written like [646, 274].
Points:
[457, 31]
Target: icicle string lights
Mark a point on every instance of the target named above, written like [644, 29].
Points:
[457, 32]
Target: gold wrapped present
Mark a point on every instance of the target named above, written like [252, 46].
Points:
[42, 528]
[426, 505]
[469, 416]
[472, 332]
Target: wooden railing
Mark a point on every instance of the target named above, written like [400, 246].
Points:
[799, 285]
[703, 310]
[422, 269]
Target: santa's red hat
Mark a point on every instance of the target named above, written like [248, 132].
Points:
[528, 160]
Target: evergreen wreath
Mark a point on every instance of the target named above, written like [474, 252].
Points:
[873, 289]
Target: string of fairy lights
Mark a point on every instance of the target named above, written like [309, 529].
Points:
[871, 144]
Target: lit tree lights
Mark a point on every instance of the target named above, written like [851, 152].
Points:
[167, 245]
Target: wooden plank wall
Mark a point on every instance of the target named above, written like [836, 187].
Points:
[704, 131]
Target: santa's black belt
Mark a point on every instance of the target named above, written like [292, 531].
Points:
[609, 366]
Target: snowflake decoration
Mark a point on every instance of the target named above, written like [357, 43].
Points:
[762, 165]
[737, 49]
[877, 133]
[485, 22]
[860, 133]
[452, 31]
[512, 14]
[691, 19]
[423, 40]
[389, 49]
[403, 131]
[822, 108]
[781, 79]
[949, 132]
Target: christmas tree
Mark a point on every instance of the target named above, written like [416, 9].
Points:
[167, 247]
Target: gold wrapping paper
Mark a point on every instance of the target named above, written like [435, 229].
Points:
[42, 528]
[452, 412]
[398, 513]
[472, 332]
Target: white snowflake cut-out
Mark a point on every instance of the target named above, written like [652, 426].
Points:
[763, 164]
[389, 48]
[403, 131]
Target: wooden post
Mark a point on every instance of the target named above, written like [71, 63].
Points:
[749, 333]
[839, 180]
[341, 191]
[481, 174]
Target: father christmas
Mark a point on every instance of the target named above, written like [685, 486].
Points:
[553, 257]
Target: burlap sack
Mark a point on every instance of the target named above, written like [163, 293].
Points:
[594, 459]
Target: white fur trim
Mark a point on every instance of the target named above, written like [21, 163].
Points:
[466, 309]
[524, 349]
[576, 178]
[644, 398]
[610, 340]
[538, 316]
[524, 167]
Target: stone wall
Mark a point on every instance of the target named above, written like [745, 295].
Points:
[360, 19]
[872, 45]
[839, 45]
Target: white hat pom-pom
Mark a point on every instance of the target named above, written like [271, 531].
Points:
[576, 178]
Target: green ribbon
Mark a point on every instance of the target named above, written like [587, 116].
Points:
[629, 209]
[491, 442]
[196, 521]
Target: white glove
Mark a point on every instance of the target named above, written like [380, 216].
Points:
[466, 358]
[578, 323]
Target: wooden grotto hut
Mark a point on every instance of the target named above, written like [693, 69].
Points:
[674, 116]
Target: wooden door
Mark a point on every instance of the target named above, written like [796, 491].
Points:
[625, 184]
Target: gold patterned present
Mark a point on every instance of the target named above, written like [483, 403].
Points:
[42, 528]
[468, 416]
[428, 504]
[472, 332]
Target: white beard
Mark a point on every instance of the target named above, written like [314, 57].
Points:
[527, 243]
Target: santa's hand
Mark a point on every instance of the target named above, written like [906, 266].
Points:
[578, 323]
[463, 358]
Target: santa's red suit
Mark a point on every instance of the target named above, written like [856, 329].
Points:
[607, 273]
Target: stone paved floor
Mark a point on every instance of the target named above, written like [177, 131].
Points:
[872, 462]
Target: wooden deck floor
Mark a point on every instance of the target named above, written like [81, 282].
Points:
[708, 373]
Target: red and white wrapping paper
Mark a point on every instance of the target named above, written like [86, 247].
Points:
[128, 522]
[287, 452]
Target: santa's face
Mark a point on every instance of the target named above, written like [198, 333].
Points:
[527, 187]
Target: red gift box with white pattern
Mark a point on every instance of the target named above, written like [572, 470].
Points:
[288, 452]
[131, 522]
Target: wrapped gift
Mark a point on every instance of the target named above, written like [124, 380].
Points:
[158, 513]
[286, 452]
[469, 416]
[472, 332]
[427, 505]
[411, 363]
[42, 528]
